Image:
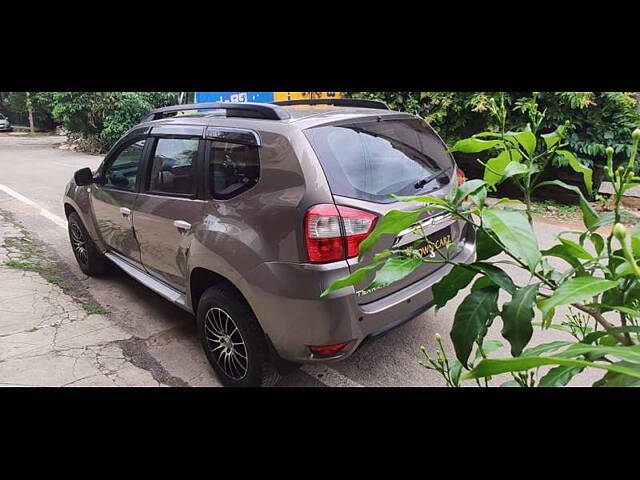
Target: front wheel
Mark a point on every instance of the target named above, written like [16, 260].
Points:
[233, 341]
[89, 258]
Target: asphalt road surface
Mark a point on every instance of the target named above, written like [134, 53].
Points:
[33, 174]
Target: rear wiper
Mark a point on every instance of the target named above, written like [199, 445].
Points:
[423, 182]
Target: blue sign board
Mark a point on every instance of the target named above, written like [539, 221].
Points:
[234, 97]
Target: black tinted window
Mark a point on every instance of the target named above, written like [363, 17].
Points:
[172, 170]
[371, 160]
[123, 171]
[233, 169]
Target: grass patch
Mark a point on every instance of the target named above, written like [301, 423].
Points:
[553, 209]
[94, 309]
[49, 273]
[28, 256]
[30, 267]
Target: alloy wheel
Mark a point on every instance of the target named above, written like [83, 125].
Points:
[226, 344]
[78, 244]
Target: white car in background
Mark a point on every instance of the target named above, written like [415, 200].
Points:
[5, 126]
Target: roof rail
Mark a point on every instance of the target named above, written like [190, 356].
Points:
[264, 111]
[337, 102]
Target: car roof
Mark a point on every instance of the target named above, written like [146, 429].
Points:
[301, 117]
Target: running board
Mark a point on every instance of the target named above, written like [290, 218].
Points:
[162, 289]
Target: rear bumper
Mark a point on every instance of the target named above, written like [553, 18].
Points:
[291, 312]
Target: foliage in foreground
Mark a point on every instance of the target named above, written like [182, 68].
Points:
[599, 285]
[597, 119]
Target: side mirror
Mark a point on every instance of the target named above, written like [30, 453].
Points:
[83, 177]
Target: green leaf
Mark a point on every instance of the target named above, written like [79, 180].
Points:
[455, 371]
[544, 348]
[394, 270]
[479, 197]
[624, 269]
[575, 249]
[627, 353]
[618, 308]
[354, 279]
[474, 145]
[595, 336]
[487, 134]
[598, 242]
[612, 379]
[486, 247]
[482, 282]
[513, 230]
[495, 366]
[564, 252]
[587, 173]
[449, 286]
[510, 383]
[392, 223]
[420, 199]
[495, 274]
[604, 219]
[517, 316]
[590, 216]
[508, 200]
[554, 137]
[468, 187]
[471, 319]
[526, 139]
[515, 168]
[559, 376]
[576, 290]
[488, 347]
[635, 241]
[495, 167]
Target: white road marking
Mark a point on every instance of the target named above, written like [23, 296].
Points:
[66, 164]
[328, 376]
[62, 223]
[322, 373]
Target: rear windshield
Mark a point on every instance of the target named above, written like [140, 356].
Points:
[371, 160]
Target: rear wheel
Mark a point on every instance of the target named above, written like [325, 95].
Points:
[89, 258]
[233, 341]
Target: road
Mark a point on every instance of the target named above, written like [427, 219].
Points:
[37, 171]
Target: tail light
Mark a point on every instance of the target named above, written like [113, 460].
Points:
[335, 233]
[461, 176]
[326, 350]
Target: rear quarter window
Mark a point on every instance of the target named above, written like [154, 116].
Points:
[370, 160]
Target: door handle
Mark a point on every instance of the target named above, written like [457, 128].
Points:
[125, 212]
[182, 225]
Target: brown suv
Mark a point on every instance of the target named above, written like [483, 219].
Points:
[243, 214]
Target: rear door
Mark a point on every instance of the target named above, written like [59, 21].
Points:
[169, 207]
[368, 159]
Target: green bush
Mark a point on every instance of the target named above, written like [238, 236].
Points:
[105, 116]
[94, 120]
[597, 119]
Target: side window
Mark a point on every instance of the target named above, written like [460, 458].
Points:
[123, 171]
[172, 169]
[233, 169]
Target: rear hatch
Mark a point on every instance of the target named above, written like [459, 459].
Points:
[365, 160]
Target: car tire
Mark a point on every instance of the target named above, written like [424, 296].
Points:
[90, 260]
[233, 341]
